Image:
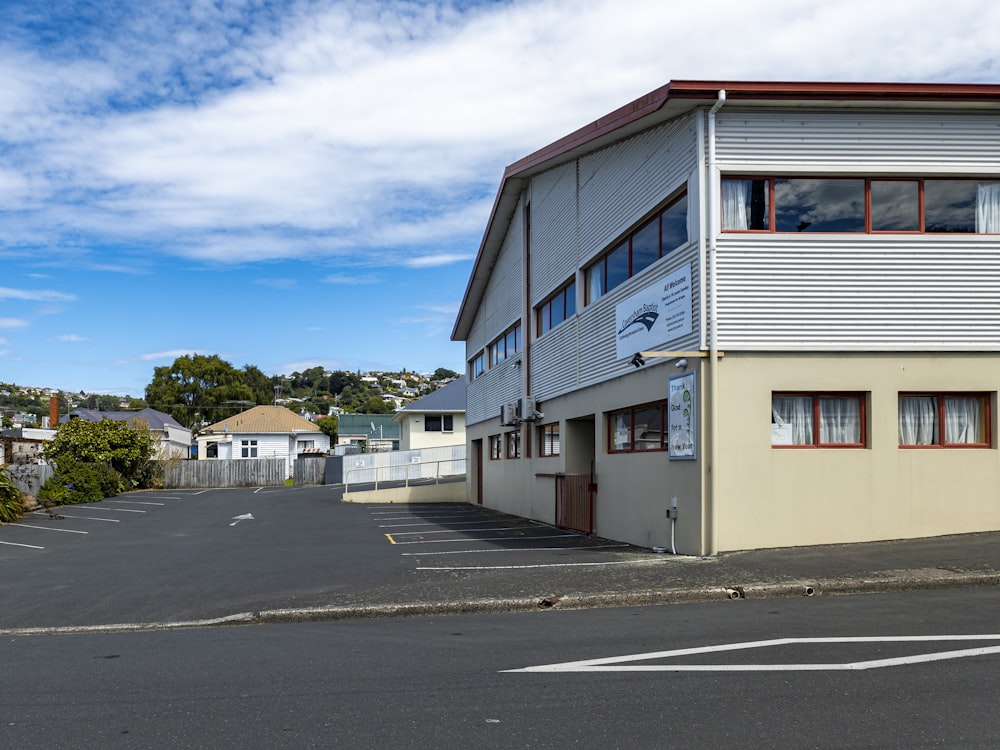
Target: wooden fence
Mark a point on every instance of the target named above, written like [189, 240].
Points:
[310, 470]
[251, 472]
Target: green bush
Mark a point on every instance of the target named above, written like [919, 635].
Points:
[10, 499]
[76, 482]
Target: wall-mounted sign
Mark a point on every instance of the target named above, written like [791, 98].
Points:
[657, 315]
[682, 423]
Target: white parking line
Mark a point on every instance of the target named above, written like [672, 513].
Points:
[133, 502]
[47, 528]
[452, 531]
[495, 539]
[541, 565]
[117, 510]
[511, 549]
[87, 518]
[29, 546]
[406, 525]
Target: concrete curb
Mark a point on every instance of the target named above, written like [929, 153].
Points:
[789, 589]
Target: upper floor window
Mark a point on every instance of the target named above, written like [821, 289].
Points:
[818, 419]
[438, 423]
[773, 204]
[506, 346]
[956, 420]
[556, 309]
[477, 366]
[656, 238]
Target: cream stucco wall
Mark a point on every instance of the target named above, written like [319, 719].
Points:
[768, 497]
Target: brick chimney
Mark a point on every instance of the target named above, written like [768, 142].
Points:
[53, 412]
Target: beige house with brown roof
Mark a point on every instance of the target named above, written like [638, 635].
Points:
[262, 432]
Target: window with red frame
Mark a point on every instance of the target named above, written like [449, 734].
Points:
[638, 429]
[496, 448]
[548, 440]
[944, 420]
[819, 420]
[860, 205]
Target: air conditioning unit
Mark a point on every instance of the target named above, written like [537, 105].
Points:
[528, 409]
[511, 413]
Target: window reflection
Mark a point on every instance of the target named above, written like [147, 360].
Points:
[818, 205]
[895, 205]
[950, 205]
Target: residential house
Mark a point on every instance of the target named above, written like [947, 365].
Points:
[173, 440]
[437, 419]
[376, 432]
[262, 432]
[735, 315]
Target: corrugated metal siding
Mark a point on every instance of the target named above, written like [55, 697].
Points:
[553, 230]
[581, 352]
[804, 141]
[501, 305]
[859, 292]
[624, 182]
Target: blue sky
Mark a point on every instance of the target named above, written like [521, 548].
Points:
[288, 183]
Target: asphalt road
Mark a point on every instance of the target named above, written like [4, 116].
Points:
[446, 682]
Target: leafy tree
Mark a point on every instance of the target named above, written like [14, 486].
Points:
[10, 498]
[329, 426]
[442, 373]
[125, 448]
[375, 405]
[260, 384]
[200, 386]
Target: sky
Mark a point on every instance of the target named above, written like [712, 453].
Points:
[297, 183]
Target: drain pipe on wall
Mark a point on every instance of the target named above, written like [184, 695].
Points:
[713, 200]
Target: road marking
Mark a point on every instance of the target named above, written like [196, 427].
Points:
[29, 546]
[452, 531]
[406, 525]
[133, 502]
[512, 549]
[540, 565]
[85, 518]
[391, 540]
[494, 539]
[244, 517]
[621, 663]
[116, 510]
[47, 528]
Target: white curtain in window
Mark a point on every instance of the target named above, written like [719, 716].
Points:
[917, 420]
[988, 208]
[961, 420]
[839, 420]
[623, 433]
[595, 282]
[796, 411]
[734, 204]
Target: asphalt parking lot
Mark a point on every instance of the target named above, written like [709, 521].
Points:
[168, 557]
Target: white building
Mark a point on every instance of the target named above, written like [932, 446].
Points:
[772, 307]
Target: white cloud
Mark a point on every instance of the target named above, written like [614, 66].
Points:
[13, 323]
[351, 279]
[170, 354]
[71, 338]
[35, 295]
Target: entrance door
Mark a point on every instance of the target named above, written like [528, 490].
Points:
[477, 469]
[576, 489]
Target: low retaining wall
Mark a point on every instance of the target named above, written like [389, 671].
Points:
[448, 492]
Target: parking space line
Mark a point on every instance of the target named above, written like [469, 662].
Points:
[133, 502]
[29, 546]
[116, 510]
[511, 549]
[452, 531]
[407, 525]
[494, 539]
[86, 518]
[540, 565]
[46, 528]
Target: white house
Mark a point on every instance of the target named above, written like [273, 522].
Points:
[734, 315]
[262, 432]
[436, 420]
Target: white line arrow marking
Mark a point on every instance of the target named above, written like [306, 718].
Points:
[244, 517]
[621, 663]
